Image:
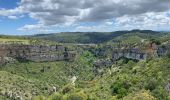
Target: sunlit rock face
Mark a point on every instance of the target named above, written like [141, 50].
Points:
[139, 53]
[36, 53]
[129, 54]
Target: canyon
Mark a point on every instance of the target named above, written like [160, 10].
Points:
[42, 53]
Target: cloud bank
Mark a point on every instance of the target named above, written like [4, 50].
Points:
[109, 14]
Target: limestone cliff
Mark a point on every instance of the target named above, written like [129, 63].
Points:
[36, 53]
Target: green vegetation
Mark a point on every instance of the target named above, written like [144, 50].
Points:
[13, 40]
[141, 95]
[24, 41]
[126, 79]
[102, 37]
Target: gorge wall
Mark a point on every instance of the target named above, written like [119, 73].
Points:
[36, 53]
[141, 52]
[40, 53]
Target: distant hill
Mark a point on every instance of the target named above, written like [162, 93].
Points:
[94, 37]
[9, 39]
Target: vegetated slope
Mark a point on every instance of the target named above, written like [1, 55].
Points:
[93, 37]
[13, 85]
[147, 80]
[125, 79]
[38, 78]
[77, 37]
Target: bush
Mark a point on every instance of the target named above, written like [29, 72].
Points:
[55, 96]
[151, 85]
[92, 96]
[141, 95]
[157, 42]
[39, 98]
[78, 96]
[67, 89]
[120, 88]
[160, 93]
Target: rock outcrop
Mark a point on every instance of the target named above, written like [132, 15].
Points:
[37, 53]
[103, 63]
[141, 53]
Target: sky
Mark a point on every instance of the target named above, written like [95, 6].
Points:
[27, 17]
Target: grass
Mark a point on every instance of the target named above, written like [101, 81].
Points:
[13, 40]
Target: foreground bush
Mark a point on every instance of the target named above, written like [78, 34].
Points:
[141, 95]
[55, 96]
[69, 96]
[39, 98]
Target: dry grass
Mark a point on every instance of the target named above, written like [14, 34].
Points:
[10, 41]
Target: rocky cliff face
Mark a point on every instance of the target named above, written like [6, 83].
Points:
[131, 54]
[36, 53]
[141, 53]
[137, 53]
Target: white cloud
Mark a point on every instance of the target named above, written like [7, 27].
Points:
[126, 13]
[12, 17]
[144, 21]
[32, 27]
[10, 12]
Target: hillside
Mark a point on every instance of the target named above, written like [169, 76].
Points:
[121, 68]
[95, 37]
[85, 50]
[122, 80]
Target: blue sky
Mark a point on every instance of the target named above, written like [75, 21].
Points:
[9, 26]
[7, 4]
[26, 17]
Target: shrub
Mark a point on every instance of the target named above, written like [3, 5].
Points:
[151, 85]
[92, 96]
[78, 96]
[157, 42]
[39, 98]
[67, 89]
[141, 95]
[55, 96]
[120, 88]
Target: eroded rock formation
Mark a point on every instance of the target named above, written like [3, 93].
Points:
[139, 52]
[36, 53]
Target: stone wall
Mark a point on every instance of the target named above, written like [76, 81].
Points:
[36, 53]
